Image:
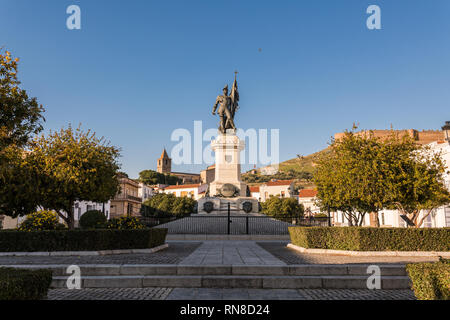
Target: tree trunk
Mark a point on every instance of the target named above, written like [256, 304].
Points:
[374, 221]
[71, 217]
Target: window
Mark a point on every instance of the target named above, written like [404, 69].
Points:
[447, 216]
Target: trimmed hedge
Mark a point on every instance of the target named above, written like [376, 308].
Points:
[21, 284]
[93, 219]
[371, 239]
[431, 281]
[80, 240]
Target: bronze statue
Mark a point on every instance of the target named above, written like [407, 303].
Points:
[228, 106]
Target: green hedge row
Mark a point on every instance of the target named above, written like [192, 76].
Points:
[21, 284]
[80, 240]
[431, 281]
[371, 239]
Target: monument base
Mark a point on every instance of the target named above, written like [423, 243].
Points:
[238, 205]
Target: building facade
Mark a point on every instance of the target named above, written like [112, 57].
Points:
[145, 192]
[308, 198]
[127, 201]
[276, 188]
[194, 191]
[208, 175]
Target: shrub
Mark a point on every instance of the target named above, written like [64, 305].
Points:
[22, 284]
[183, 206]
[41, 220]
[371, 239]
[80, 240]
[163, 204]
[93, 219]
[125, 223]
[282, 206]
[431, 281]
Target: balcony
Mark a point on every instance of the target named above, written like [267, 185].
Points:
[127, 197]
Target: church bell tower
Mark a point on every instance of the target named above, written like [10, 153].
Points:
[164, 163]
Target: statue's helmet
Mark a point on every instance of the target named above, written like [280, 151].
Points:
[225, 88]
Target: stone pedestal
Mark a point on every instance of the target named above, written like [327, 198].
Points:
[227, 149]
[227, 186]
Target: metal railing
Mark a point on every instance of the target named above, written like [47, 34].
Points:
[237, 224]
[127, 197]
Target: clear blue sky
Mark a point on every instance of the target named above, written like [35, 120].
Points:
[139, 69]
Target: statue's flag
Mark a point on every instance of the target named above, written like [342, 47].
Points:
[234, 98]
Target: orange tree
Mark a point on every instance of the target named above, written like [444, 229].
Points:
[73, 165]
[20, 119]
[363, 174]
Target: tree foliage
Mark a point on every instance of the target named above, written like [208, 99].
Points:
[73, 166]
[20, 115]
[275, 206]
[364, 174]
[168, 204]
[150, 177]
[20, 119]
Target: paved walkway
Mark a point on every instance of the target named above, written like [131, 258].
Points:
[200, 253]
[231, 253]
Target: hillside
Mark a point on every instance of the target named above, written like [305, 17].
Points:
[300, 170]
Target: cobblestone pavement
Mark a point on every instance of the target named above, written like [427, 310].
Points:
[110, 294]
[228, 294]
[288, 294]
[175, 253]
[230, 252]
[290, 256]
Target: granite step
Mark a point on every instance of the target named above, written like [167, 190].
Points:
[233, 281]
[223, 270]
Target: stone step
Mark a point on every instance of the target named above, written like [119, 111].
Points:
[220, 281]
[223, 270]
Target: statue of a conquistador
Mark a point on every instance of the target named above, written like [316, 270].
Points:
[228, 106]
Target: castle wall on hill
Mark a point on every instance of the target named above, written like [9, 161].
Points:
[422, 137]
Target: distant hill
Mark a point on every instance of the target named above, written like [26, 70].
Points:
[300, 170]
[301, 163]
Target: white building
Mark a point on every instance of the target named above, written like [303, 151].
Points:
[145, 192]
[268, 171]
[439, 218]
[81, 207]
[308, 198]
[194, 191]
[276, 188]
[255, 192]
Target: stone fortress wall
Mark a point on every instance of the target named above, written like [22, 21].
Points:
[422, 137]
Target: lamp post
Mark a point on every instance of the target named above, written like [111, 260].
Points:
[446, 130]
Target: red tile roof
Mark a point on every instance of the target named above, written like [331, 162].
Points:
[254, 189]
[183, 186]
[307, 193]
[279, 183]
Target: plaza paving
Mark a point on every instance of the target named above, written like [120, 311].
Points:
[227, 254]
[213, 253]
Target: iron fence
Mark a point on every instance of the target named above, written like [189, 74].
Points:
[233, 224]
